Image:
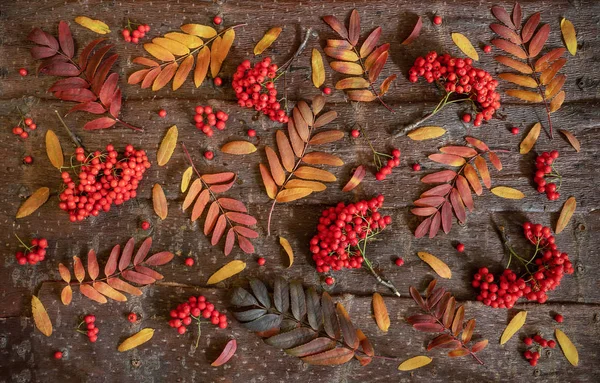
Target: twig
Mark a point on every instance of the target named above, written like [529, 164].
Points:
[73, 137]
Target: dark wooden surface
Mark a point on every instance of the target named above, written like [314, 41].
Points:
[26, 355]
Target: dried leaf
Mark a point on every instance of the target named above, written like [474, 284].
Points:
[310, 173]
[110, 292]
[507, 192]
[285, 151]
[514, 64]
[220, 48]
[539, 40]
[325, 119]
[92, 293]
[479, 346]
[292, 194]
[439, 177]
[568, 32]
[270, 186]
[159, 201]
[288, 250]
[54, 150]
[348, 329]
[555, 86]
[333, 357]
[173, 46]
[336, 25]
[40, 316]
[321, 158]
[463, 151]
[167, 146]
[463, 43]
[436, 264]
[549, 73]
[507, 33]
[525, 95]
[165, 76]
[341, 54]
[361, 95]
[369, 44]
[457, 205]
[565, 214]
[185, 39]
[381, 314]
[377, 66]
[416, 31]
[521, 80]
[136, 340]
[93, 25]
[530, 139]
[186, 178]
[556, 103]
[238, 147]
[183, 71]
[346, 67]
[66, 295]
[375, 55]
[414, 363]
[385, 85]
[572, 139]
[159, 52]
[31, 204]
[159, 259]
[509, 47]
[481, 166]
[326, 137]
[275, 167]
[567, 347]
[468, 331]
[352, 83]
[202, 63]
[426, 133]
[230, 269]
[501, 14]
[458, 352]
[513, 326]
[228, 350]
[357, 176]
[313, 185]
[447, 159]
[199, 30]
[354, 27]
[266, 41]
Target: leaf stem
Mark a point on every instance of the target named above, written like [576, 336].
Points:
[74, 138]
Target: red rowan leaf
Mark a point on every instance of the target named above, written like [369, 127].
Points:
[92, 293]
[348, 329]
[100, 123]
[447, 159]
[93, 267]
[149, 272]
[51, 61]
[115, 103]
[517, 15]
[479, 346]
[111, 264]
[501, 14]
[121, 285]
[38, 36]
[38, 52]
[375, 55]
[139, 278]
[483, 171]
[458, 352]
[458, 206]
[416, 31]
[58, 68]
[126, 254]
[465, 193]
[417, 298]
[109, 291]
[241, 218]
[436, 221]
[65, 274]
[85, 53]
[355, 180]
[439, 177]
[336, 25]
[506, 33]
[232, 204]
[423, 228]
[245, 231]
[530, 27]
[423, 211]
[509, 47]
[95, 59]
[430, 201]
[142, 251]
[377, 66]
[354, 27]
[245, 244]
[229, 241]
[90, 107]
[138, 76]
[440, 190]
[495, 160]
[218, 177]
[539, 40]
[442, 304]
[446, 217]
[219, 230]
[159, 259]
[471, 176]
[226, 354]
[370, 42]
[462, 151]
[200, 204]
[449, 312]
[66, 39]
[150, 77]
[420, 318]
[78, 95]
[428, 327]
[333, 357]
[443, 341]
[78, 269]
[429, 289]
[222, 188]
[435, 297]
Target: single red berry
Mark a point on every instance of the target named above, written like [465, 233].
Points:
[551, 344]
[209, 155]
[126, 33]
[93, 338]
[162, 113]
[466, 117]
[189, 262]
[23, 72]
[181, 329]
[399, 261]
[28, 160]
[146, 28]
[89, 319]
[251, 133]
[437, 20]
[24, 135]
[416, 167]
[135, 40]
[217, 20]
[355, 133]
[218, 81]
[460, 247]
[329, 281]
[261, 261]
[396, 153]
[58, 355]
[559, 318]
[487, 49]
[145, 225]
[132, 317]
[33, 126]
[28, 121]
[514, 130]
[327, 90]
[533, 362]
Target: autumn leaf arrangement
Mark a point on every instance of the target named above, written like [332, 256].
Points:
[87, 81]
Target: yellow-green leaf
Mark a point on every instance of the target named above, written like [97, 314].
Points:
[93, 25]
[414, 363]
[227, 271]
[565, 214]
[567, 347]
[54, 150]
[199, 30]
[266, 41]
[186, 178]
[31, 204]
[173, 46]
[167, 146]
[436, 264]
[513, 326]
[159, 52]
[40, 316]
[508, 193]
[288, 250]
[426, 133]
[463, 43]
[136, 339]
[381, 313]
[317, 67]
[238, 147]
[530, 139]
[568, 32]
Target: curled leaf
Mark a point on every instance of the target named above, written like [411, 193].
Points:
[507, 192]
[569, 35]
[530, 139]
[54, 150]
[463, 43]
[136, 339]
[415, 32]
[357, 177]
[567, 347]
[230, 347]
[381, 313]
[230, 269]
[159, 201]
[565, 214]
[288, 250]
[167, 146]
[436, 264]
[40, 316]
[414, 363]
[513, 326]
[426, 133]
[31, 204]
[238, 147]
[266, 41]
[93, 25]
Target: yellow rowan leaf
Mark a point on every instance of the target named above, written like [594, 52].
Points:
[288, 250]
[159, 52]
[346, 67]
[572, 139]
[362, 95]
[189, 41]
[270, 186]
[508, 193]
[167, 146]
[93, 25]
[54, 150]
[436, 264]
[513, 326]
[220, 48]
[381, 313]
[514, 64]
[227, 271]
[186, 178]
[40, 316]
[173, 46]
[414, 363]
[426, 133]
[567, 347]
[463, 43]
[317, 68]
[184, 70]
[292, 194]
[385, 85]
[310, 173]
[165, 76]
[530, 139]
[266, 41]
[159, 201]
[565, 214]
[238, 147]
[202, 63]
[568, 31]
[31, 204]
[341, 54]
[525, 95]
[518, 79]
[557, 101]
[203, 31]
[321, 158]
[352, 83]
[136, 339]
[313, 185]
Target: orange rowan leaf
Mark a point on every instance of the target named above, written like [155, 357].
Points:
[270, 186]
[66, 295]
[572, 139]
[310, 173]
[346, 67]
[361, 95]
[525, 95]
[202, 63]
[370, 43]
[285, 150]
[150, 77]
[530, 139]
[138, 76]
[31, 204]
[173, 46]
[275, 166]
[426, 133]
[325, 119]
[300, 124]
[555, 86]
[199, 30]
[557, 101]
[385, 85]
[507, 192]
[288, 195]
[352, 83]
[165, 76]
[549, 73]
[509, 47]
[200, 204]
[220, 48]
[238, 147]
[447, 159]
[159, 201]
[375, 70]
[295, 139]
[341, 54]
[357, 177]
[481, 166]
[436, 264]
[544, 62]
[159, 52]
[381, 313]
[145, 61]
[189, 41]
[321, 158]
[183, 72]
[519, 79]
[514, 64]
[471, 176]
[54, 150]
[92, 293]
[267, 40]
[313, 185]
[326, 137]
[370, 60]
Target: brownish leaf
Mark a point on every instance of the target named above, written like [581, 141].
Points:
[66, 295]
[446, 217]
[238, 147]
[295, 139]
[159, 201]
[509, 47]
[292, 194]
[227, 352]
[100, 123]
[92, 293]
[361, 95]
[439, 177]
[381, 314]
[375, 55]
[525, 95]
[242, 218]
[447, 159]
[539, 40]
[333, 357]
[375, 70]
[93, 267]
[471, 176]
[139, 278]
[269, 38]
[468, 331]
[348, 329]
[370, 42]
[501, 14]
[121, 285]
[530, 27]
[572, 139]
[277, 171]
[326, 137]
[514, 64]
[219, 230]
[346, 67]
[465, 193]
[565, 214]
[211, 217]
[479, 346]
[549, 73]
[285, 151]
[440, 190]
[354, 27]
[270, 185]
[336, 25]
[357, 176]
[506, 33]
[416, 31]
[457, 323]
[557, 101]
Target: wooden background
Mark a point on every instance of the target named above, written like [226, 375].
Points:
[26, 355]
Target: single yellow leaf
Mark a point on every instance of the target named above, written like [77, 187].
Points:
[572, 139]
[136, 339]
[352, 83]
[568, 32]
[66, 295]
[317, 67]
[508, 193]
[530, 139]
[238, 147]
[185, 39]
[186, 178]
[159, 52]
[54, 150]
[297, 183]
[266, 41]
[31, 204]
[525, 95]
[381, 313]
[463, 43]
[414, 363]
[315, 174]
[230, 269]
[567, 347]
[202, 63]
[288, 250]
[93, 25]
[557, 101]
[175, 47]
[346, 67]
[292, 194]
[159, 201]
[426, 133]
[40, 316]
[167, 146]
[203, 31]
[220, 48]
[182, 73]
[565, 214]
[526, 81]
[436, 264]
[513, 326]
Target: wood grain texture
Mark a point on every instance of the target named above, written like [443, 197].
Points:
[26, 355]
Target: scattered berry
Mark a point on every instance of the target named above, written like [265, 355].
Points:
[209, 155]
[460, 247]
[327, 90]
[145, 225]
[251, 133]
[162, 113]
[217, 20]
[33, 126]
[24, 135]
[399, 261]
[189, 261]
[32, 254]
[28, 160]
[329, 281]
[514, 130]
[132, 317]
[466, 117]
[205, 118]
[261, 261]
[58, 355]
[559, 318]
[487, 49]
[544, 165]
[23, 72]
[218, 81]
[437, 20]
[392, 162]
[416, 167]
[355, 133]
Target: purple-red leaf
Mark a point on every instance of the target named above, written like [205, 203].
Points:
[415, 32]
[354, 27]
[66, 39]
[69, 83]
[39, 52]
[336, 25]
[539, 40]
[108, 89]
[90, 107]
[142, 251]
[63, 69]
[429, 327]
[126, 254]
[100, 123]
[40, 37]
[102, 72]
[226, 354]
[423, 228]
[458, 206]
[530, 27]
[139, 278]
[501, 14]
[159, 259]
[77, 95]
[439, 177]
[115, 104]
[85, 54]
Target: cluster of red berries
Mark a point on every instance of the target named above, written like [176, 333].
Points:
[551, 265]
[534, 356]
[255, 88]
[341, 228]
[543, 165]
[459, 76]
[195, 308]
[216, 119]
[34, 253]
[131, 35]
[90, 325]
[391, 163]
[20, 128]
[104, 179]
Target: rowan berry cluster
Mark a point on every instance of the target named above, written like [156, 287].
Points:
[343, 231]
[90, 325]
[457, 75]
[196, 308]
[544, 272]
[545, 171]
[21, 128]
[533, 353]
[205, 118]
[34, 253]
[255, 88]
[104, 179]
[392, 162]
[133, 35]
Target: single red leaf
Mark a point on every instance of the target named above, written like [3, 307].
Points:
[159, 259]
[421, 318]
[517, 15]
[102, 72]
[100, 123]
[38, 52]
[115, 104]
[92, 293]
[435, 225]
[232, 204]
[415, 32]
[477, 143]
[354, 27]
[336, 25]
[430, 201]
[458, 206]
[66, 39]
[126, 254]
[245, 231]
[95, 60]
[78, 95]
[111, 264]
[142, 251]
[222, 188]
[375, 70]
[370, 42]
[219, 230]
[149, 272]
[63, 69]
[356, 179]
[423, 228]
[93, 267]
[423, 211]
[218, 177]
[242, 218]
[539, 40]
[446, 217]
[90, 107]
[245, 244]
[85, 54]
[501, 14]
[50, 61]
[229, 241]
[429, 327]
[226, 354]
[38, 36]
[505, 32]
[108, 89]
[439, 177]
[440, 190]
[465, 192]
[530, 27]
[139, 278]
[69, 83]
[479, 346]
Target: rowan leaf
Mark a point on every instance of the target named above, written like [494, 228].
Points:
[447, 159]
[165, 76]
[357, 177]
[525, 95]
[199, 30]
[568, 32]
[66, 295]
[385, 85]
[346, 67]
[167, 146]
[348, 329]
[514, 64]
[539, 40]
[462, 151]
[565, 214]
[97, 26]
[341, 54]
[471, 176]
[322, 158]
[352, 83]
[370, 60]
[377, 66]
[185, 39]
[506, 33]
[333, 357]
[238, 147]
[136, 339]
[159, 52]
[501, 14]
[549, 73]
[285, 151]
[463, 43]
[557, 102]
[220, 48]
[426, 133]
[361, 95]
[336, 25]
[31, 204]
[414, 363]
[159, 259]
[436, 264]
[159, 201]
[92, 293]
[571, 139]
[530, 26]
[150, 77]
[507, 192]
[567, 347]
[521, 80]
[370, 43]
[416, 31]
[509, 47]
[173, 46]
[183, 71]
[513, 326]
[310, 173]
[40, 316]
[230, 269]
[529, 140]
[325, 119]
[288, 250]
[439, 177]
[481, 166]
[226, 354]
[479, 346]
[270, 185]
[555, 86]
[326, 137]
[298, 183]
[275, 167]
[265, 42]
[202, 63]
[381, 313]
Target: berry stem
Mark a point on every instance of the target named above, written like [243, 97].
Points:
[367, 262]
[74, 138]
[301, 48]
[23, 243]
[376, 160]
